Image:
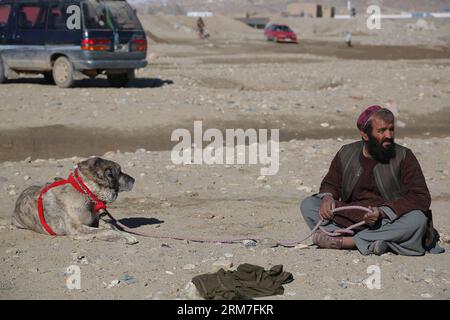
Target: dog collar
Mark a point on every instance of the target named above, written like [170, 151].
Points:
[76, 182]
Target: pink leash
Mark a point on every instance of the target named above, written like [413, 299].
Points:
[284, 243]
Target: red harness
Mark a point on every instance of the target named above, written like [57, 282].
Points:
[76, 182]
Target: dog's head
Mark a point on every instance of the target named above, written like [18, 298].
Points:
[105, 178]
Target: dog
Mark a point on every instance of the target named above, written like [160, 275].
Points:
[69, 209]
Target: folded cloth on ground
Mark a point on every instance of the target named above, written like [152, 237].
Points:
[247, 282]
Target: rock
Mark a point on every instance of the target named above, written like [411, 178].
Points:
[26, 178]
[12, 192]
[159, 295]
[249, 243]
[325, 125]
[113, 284]
[221, 264]
[228, 255]
[301, 246]
[171, 179]
[401, 124]
[191, 194]
[261, 179]
[170, 273]
[128, 279]
[189, 266]
[269, 243]
[190, 292]
[13, 251]
[343, 284]
[304, 188]
[426, 295]
[166, 204]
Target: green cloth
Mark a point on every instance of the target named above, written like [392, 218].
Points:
[247, 282]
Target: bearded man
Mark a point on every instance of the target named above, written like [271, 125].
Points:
[385, 177]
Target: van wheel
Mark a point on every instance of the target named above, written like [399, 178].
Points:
[48, 76]
[63, 72]
[118, 80]
[2, 72]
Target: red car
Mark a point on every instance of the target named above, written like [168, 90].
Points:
[280, 33]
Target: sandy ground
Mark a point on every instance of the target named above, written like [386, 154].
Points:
[312, 92]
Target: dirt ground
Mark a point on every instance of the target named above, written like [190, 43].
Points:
[312, 92]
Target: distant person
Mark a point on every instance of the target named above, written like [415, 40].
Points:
[383, 176]
[201, 28]
[348, 38]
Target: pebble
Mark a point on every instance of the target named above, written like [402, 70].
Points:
[269, 243]
[304, 188]
[261, 179]
[190, 292]
[12, 192]
[189, 266]
[171, 179]
[221, 264]
[325, 125]
[128, 279]
[170, 273]
[12, 250]
[343, 284]
[301, 246]
[113, 284]
[426, 295]
[228, 255]
[249, 243]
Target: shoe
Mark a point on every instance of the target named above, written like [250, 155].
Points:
[322, 240]
[379, 247]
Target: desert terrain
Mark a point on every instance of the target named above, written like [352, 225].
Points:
[312, 92]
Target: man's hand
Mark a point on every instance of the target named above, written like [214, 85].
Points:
[325, 208]
[370, 218]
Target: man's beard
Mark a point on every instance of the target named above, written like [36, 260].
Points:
[378, 152]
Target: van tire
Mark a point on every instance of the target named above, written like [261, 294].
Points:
[118, 80]
[63, 73]
[2, 71]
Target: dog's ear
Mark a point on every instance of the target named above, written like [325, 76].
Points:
[93, 168]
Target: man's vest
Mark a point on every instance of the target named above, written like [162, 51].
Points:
[387, 179]
[387, 176]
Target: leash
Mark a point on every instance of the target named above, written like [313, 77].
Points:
[100, 208]
[284, 243]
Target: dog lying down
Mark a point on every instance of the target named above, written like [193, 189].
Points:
[73, 206]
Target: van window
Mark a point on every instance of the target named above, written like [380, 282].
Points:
[57, 17]
[109, 15]
[5, 10]
[32, 16]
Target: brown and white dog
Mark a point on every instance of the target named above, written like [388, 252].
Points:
[71, 212]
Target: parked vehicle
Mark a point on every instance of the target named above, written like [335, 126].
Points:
[280, 33]
[62, 39]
